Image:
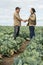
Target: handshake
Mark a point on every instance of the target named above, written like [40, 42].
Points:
[24, 20]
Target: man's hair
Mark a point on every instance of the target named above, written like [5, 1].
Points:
[33, 10]
[17, 8]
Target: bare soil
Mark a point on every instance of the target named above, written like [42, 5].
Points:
[9, 61]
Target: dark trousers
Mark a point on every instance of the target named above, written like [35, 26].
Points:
[32, 31]
[16, 31]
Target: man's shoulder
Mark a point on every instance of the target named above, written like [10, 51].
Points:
[14, 13]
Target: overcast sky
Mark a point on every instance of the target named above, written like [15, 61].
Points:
[7, 8]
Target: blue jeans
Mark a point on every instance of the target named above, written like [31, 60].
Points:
[32, 31]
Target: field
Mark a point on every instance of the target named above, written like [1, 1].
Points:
[32, 55]
[7, 43]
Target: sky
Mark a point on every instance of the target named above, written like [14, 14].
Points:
[7, 8]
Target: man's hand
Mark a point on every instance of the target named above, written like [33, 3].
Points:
[25, 20]
[22, 20]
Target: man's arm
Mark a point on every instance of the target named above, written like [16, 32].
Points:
[15, 15]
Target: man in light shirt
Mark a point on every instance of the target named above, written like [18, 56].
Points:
[17, 22]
